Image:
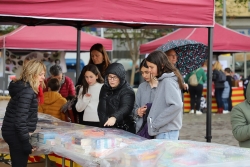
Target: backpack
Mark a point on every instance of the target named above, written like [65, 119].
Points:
[193, 81]
[222, 76]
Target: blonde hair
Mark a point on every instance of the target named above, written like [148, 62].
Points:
[31, 70]
[217, 66]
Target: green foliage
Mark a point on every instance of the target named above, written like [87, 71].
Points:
[7, 29]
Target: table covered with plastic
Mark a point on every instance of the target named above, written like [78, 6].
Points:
[92, 146]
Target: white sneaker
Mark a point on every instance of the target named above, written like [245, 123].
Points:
[198, 112]
[225, 111]
[191, 112]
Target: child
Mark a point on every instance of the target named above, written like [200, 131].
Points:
[88, 96]
[53, 100]
[21, 113]
[227, 92]
[145, 94]
[165, 116]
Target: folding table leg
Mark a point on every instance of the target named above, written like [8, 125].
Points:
[63, 162]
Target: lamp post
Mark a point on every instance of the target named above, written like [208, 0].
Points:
[224, 13]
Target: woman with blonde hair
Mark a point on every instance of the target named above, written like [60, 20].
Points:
[218, 78]
[21, 113]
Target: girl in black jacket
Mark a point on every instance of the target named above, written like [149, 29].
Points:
[21, 113]
[116, 100]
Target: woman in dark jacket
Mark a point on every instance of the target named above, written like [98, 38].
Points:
[219, 85]
[116, 100]
[98, 57]
[21, 113]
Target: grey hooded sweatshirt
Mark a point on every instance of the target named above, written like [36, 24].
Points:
[166, 111]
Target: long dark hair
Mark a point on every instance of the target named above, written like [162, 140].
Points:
[92, 68]
[163, 65]
[99, 47]
[143, 64]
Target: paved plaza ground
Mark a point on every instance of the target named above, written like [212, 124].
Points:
[194, 128]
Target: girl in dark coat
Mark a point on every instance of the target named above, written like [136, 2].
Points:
[21, 113]
[116, 100]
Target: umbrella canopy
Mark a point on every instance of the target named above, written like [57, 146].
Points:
[191, 54]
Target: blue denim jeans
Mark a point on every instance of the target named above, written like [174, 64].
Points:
[225, 103]
[171, 135]
[218, 97]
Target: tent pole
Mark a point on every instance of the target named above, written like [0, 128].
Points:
[209, 84]
[245, 65]
[3, 62]
[78, 49]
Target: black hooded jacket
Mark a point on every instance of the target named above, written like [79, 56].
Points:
[117, 102]
[21, 112]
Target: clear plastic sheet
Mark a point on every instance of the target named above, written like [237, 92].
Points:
[105, 147]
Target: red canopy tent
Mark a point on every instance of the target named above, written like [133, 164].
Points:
[50, 38]
[110, 13]
[118, 14]
[225, 39]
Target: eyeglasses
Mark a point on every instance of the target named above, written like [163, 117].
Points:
[115, 78]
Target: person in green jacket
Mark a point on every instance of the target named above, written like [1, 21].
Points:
[240, 118]
[196, 90]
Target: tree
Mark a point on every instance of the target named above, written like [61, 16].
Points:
[5, 29]
[133, 38]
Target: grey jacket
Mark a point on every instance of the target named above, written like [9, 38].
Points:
[226, 90]
[145, 94]
[166, 111]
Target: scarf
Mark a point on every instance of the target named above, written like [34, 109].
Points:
[40, 95]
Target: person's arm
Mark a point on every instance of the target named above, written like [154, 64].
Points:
[71, 88]
[137, 104]
[126, 104]
[204, 76]
[240, 125]
[187, 77]
[101, 109]
[21, 117]
[214, 75]
[82, 101]
[173, 99]
[40, 108]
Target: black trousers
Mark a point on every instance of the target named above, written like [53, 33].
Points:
[18, 157]
[195, 96]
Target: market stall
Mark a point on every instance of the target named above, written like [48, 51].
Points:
[237, 97]
[92, 146]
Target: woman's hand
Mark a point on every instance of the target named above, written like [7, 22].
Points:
[110, 122]
[88, 95]
[141, 111]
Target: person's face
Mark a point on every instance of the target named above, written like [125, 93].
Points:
[152, 68]
[90, 78]
[96, 57]
[172, 57]
[41, 77]
[145, 74]
[114, 81]
[59, 77]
